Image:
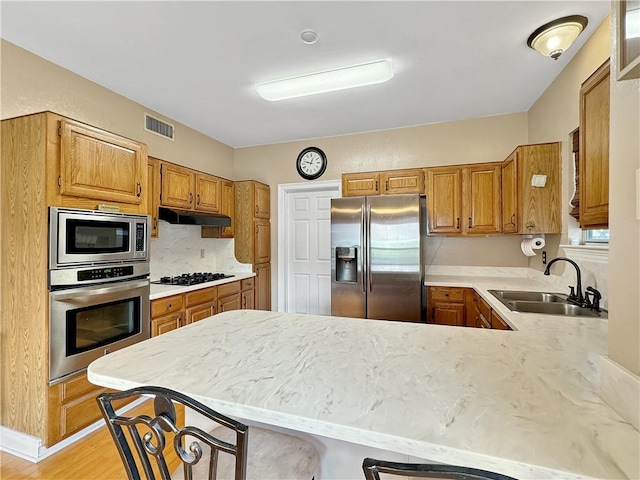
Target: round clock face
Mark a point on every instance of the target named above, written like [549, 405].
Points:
[311, 163]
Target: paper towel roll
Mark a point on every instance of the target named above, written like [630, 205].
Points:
[528, 245]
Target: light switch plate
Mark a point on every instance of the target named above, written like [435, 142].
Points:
[538, 181]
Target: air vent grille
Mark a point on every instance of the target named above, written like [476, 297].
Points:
[159, 127]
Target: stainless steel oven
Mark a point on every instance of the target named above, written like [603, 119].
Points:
[99, 286]
[88, 322]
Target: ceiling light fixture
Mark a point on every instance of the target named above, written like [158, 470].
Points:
[327, 81]
[553, 38]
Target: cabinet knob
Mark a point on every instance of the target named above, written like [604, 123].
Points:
[191, 198]
[170, 305]
[198, 199]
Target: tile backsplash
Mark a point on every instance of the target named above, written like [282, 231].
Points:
[178, 249]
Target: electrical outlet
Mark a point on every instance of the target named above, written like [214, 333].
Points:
[202, 253]
[544, 257]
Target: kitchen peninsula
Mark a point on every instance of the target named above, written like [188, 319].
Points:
[520, 402]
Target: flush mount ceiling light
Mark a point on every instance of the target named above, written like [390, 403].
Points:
[555, 37]
[327, 81]
[309, 37]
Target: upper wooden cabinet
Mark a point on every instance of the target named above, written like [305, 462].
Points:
[100, 165]
[388, 182]
[594, 149]
[444, 199]
[188, 189]
[252, 229]
[481, 198]
[464, 199]
[227, 206]
[153, 199]
[528, 209]
[208, 194]
[177, 186]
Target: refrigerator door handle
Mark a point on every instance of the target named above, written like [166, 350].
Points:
[368, 223]
[363, 250]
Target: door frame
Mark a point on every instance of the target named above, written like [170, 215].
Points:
[284, 197]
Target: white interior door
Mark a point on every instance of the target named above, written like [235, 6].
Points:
[306, 250]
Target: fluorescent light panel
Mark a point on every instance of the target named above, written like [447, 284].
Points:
[327, 81]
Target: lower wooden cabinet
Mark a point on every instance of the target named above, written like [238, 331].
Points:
[461, 307]
[165, 323]
[446, 306]
[247, 293]
[72, 407]
[263, 286]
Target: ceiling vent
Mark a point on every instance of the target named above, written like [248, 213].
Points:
[154, 125]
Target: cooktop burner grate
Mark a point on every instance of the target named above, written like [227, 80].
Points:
[191, 278]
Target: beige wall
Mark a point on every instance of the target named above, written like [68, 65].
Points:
[624, 254]
[32, 84]
[470, 141]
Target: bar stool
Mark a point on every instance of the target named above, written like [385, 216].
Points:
[373, 468]
[152, 446]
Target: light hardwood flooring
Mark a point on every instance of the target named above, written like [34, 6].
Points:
[93, 457]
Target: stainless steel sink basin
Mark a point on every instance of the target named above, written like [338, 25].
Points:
[543, 302]
[552, 308]
[529, 296]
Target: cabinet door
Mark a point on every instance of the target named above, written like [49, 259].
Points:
[262, 199]
[360, 184]
[448, 314]
[165, 324]
[443, 199]
[481, 199]
[402, 181]
[227, 204]
[204, 310]
[177, 186]
[594, 150]
[248, 299]
[100, 165]
[263, 286]
[153, 199]
[207, 193]
[510, 195]
[231, 302]
[262, 245]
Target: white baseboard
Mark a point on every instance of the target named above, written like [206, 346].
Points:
[621, 390]
[30, 448]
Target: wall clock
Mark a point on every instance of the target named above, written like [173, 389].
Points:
[311, 163]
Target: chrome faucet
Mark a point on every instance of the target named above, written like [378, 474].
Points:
[574, 296]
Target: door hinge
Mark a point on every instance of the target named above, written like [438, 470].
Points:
[59, 131]
[59, 181]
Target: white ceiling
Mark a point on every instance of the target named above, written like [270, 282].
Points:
[197, 62]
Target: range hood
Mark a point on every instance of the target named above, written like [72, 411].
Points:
[180, 217]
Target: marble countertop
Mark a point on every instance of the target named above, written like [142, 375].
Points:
[160, 291]
[523, 402]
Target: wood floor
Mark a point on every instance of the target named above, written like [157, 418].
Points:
[94, 457]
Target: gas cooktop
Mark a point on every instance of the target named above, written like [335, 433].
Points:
[191, 278]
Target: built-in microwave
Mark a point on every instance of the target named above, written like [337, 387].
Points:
[90, 237]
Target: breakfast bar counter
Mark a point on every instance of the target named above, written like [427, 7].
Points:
[520, 402]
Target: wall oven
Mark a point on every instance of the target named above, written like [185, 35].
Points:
[99, 286]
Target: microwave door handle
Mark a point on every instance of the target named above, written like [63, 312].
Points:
[87, 292]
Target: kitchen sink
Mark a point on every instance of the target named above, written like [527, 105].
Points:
[543, 303]
[529, 296]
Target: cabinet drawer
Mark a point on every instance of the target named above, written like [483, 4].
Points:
[203, 295]
[247, 284]
[446, 294]
[166, 305]
[228, 289]
[76, 387]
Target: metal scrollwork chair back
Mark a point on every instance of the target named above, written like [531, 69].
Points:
[373, 468]
[143, 442]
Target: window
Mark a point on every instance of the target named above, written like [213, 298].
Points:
[596, 236]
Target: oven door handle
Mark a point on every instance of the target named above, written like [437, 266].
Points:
[86, 292]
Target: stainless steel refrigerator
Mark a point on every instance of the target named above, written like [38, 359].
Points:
[376, 265]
